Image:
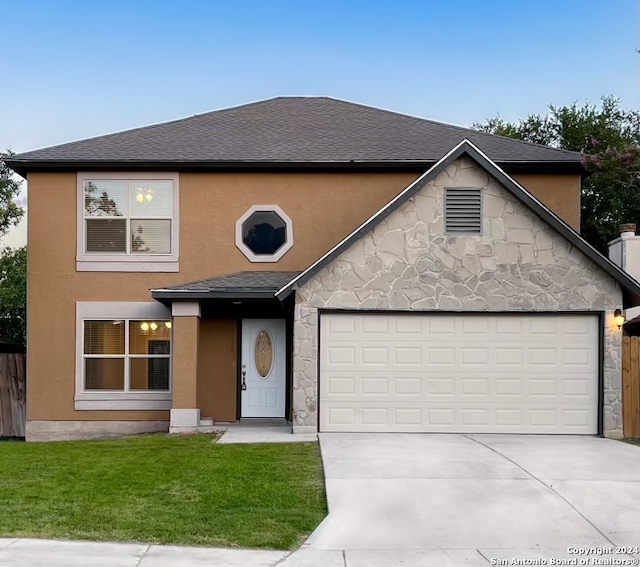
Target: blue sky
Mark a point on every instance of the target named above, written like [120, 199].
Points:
[75, 69]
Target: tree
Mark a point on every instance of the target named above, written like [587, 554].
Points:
[13, 295]
[13, 263]
[10, 212]
[609, 139]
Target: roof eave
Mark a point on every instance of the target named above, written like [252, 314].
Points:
[230, 294]
[23, 167]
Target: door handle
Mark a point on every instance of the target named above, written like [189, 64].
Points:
[244, 374]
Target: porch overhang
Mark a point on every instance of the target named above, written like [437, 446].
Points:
[240, 286]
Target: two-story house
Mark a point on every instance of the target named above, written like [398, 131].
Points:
[339, 266]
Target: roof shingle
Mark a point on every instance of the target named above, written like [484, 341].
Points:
[289, 130]
[259, 281]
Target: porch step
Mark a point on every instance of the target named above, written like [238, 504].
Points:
[206, 421]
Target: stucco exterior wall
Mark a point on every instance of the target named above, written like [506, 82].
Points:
[217, 360]
[408, 263]
[559, 193]
[324, 209]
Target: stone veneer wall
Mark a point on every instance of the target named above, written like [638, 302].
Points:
[407, 263]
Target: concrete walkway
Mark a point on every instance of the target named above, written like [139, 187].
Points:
[263, 432]
[50, 553]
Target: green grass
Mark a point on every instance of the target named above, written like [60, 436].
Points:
[162, 489]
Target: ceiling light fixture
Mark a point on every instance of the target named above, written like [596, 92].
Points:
[143, 195]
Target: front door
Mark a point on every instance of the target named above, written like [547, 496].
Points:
[262, 372]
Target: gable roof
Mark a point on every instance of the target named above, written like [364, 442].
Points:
[288, 131]
[630, 287]
[244, 285]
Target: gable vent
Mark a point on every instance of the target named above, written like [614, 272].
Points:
[463, 210]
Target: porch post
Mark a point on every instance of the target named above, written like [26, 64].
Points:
[185, 416]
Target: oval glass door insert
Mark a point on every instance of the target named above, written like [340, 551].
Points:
[264, 353]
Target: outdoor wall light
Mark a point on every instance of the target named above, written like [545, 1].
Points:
[144, 326]
[167, 324]
[618, 317]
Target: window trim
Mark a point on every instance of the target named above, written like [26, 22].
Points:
[260, 258]
[127, 262]
[111, 399]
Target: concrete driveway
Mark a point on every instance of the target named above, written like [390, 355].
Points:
[411, 499]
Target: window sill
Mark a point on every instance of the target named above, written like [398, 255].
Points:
[127, 266]
[123, 402]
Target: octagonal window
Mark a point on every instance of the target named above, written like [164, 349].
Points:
[264, 233]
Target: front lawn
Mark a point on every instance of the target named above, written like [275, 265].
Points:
[162, 489]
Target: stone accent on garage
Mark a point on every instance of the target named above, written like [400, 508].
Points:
[406, 262]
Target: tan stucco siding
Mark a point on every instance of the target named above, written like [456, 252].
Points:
[324, 209]
[560, 193]
[217, 359]
[185, 361]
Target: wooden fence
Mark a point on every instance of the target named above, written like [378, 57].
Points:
[631, 386]
[13, 393]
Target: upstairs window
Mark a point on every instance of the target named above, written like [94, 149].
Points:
[128, 222]
[264, 233]
[463, 210]
[128, 217]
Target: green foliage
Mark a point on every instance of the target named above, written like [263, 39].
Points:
[609, 139]
[13, 296]
[10, 213]
[163, 489]
[13, 263]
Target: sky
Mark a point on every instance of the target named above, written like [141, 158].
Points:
[74, 69]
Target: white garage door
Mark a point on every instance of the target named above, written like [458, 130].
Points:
[459, 373]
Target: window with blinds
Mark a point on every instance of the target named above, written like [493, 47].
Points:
[128, 216]
[127, 355]
[463, 210]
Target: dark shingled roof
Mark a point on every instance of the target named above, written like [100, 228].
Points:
[240, 284]
[287, 131]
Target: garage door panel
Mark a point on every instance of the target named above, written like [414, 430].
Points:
[467, 418]
[459, 373]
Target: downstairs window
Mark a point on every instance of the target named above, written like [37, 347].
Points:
[127, 355]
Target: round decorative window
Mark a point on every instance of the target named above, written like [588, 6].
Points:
[264, 353]
[264, 233]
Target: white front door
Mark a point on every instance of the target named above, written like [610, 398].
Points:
[263, 368]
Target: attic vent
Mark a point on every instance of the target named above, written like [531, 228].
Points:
[463, 210]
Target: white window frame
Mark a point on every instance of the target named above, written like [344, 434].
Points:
[112, 399]
[127, 262]
[263, 257]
